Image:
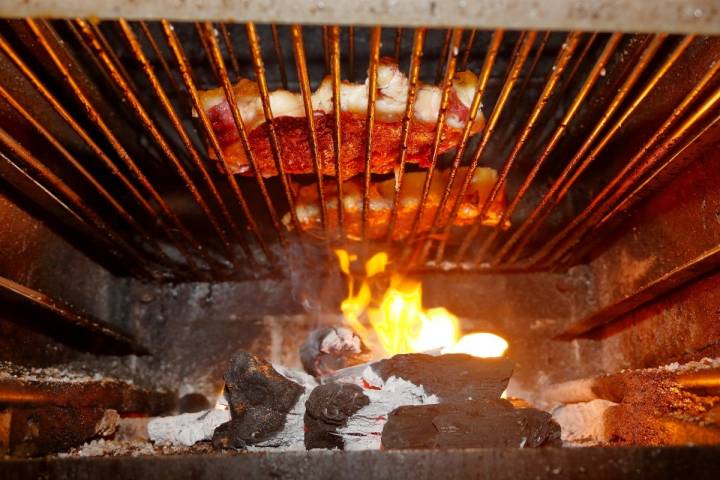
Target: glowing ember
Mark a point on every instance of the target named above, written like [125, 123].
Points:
[398, 323]
[479, 345]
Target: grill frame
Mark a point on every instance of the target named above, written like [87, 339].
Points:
[201, 261]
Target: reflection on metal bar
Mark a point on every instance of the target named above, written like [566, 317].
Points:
[487, 67]
[159, 54]
[259, 67]
[186, 74]
[99, 330]
[415, 59]
[230, 50]
[124, 156]
[375, 37]
[563, 58]
[550, 199]
[135, 47]
[468, 49]
[107, 196]
[149, 125]
[669, 62]
[277, 47]
[351, 53]
[216, 58]
[58, 108]
[90, 215]
[398, 44]
[634, 170]
[447, 85]
[326, 46]
[443, 55]
[304, 80]
[589, 83]
[514, 69]
[337, 118]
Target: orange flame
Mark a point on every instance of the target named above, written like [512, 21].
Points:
[397, 323]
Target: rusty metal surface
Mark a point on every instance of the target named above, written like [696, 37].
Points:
[591, 463]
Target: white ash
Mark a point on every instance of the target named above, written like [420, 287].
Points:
[363, 430]
[51, 374]
[186, 429]
[341, 339]
[583, 424]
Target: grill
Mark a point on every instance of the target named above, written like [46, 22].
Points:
[141, 257]
[547, 140]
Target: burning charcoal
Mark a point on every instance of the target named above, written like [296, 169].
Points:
[331, 348]
[476, 424]
[452, 377]
[328, 409]
[259, 399]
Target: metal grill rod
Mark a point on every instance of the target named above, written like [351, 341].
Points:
[563, 59]
[526, 231]
[154, 132]
[587, 85]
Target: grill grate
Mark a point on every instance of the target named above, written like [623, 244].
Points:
[545, 124]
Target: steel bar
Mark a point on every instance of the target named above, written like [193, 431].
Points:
[88, 214]
[525, 43]
[588, 84]
[326, 46]
[186, 74]
[149, 124]
[375, 37]
[488, 64]
[447, 86]
[277, 47]
[398, 44]
[259, 67]
[227, 40]
[601, 209]
[415, 59]
[97, 185]
[550, 199]
[443, 55]
[630, 173]
[117, 145]
[176, 121]
[208, 32]
[351, 53]
[337, 118]
[160, 56]
[468, 49]
[75, 126]
[100, 331]
[304, 80]
[563, 59]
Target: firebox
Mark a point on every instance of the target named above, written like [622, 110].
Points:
[406, 239]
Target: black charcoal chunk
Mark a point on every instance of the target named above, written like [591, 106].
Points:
[259, 399]
[327, 409]
[478, 424]
[452, 377]
[328, 349]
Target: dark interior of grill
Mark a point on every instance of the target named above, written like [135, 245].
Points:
[135, 264]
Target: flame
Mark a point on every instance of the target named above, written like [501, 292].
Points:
[397, 323]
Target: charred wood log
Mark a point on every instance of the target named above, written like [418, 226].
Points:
[328, 409]
[259, 399]
[452, 377]
[476, 424]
